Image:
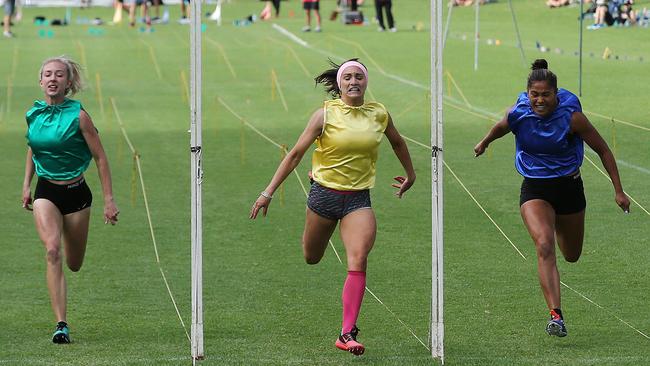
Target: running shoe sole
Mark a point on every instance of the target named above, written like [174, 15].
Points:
[556, 329]
[353, 347]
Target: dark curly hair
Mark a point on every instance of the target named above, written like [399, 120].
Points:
[328, 78]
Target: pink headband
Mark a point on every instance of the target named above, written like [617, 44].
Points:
[347, 64]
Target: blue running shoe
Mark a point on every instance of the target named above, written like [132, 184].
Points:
[555, 326]
[61, 333]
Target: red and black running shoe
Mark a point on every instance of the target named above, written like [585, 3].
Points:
[348, 342]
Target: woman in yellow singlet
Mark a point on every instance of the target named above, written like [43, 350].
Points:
[347, 131]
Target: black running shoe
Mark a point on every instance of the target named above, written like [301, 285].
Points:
[61, 333]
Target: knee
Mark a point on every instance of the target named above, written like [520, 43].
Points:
[545, 250]
[357, 262]
[53, 255]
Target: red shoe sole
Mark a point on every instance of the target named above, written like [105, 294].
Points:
[353, 347]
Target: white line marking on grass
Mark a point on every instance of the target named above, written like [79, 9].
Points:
[146, 205]
[304, 189]
[291, 36]
[473, 198]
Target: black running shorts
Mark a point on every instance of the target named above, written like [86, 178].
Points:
[565, 194]
[67, 198]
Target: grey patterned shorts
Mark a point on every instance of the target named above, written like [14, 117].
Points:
[334, 205]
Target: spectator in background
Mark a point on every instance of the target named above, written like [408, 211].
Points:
[132, 6]
[9, 8]
[557, 3]
[266, 12]
[185, 12]
[626, 15]
[600, 15]
[310, 5]
[379, 6]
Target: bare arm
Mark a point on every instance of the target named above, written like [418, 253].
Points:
[402, 152]
[497, 131]
[27, 181]
[97, 150]
[290, 162]
[580, 125]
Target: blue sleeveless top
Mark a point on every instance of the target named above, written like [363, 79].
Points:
[60, 151]
[545, 147]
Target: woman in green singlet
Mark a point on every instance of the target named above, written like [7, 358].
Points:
[347, 131]
[62, 141]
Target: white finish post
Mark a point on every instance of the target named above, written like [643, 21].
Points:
[196, 174]
[437, 289]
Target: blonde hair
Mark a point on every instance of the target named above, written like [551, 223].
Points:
[73, 70]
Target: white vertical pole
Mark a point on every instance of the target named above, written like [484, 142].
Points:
[476, 35]
[437, 289]
[196, 174]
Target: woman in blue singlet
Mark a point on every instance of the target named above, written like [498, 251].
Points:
[550, 129]
[62, 141]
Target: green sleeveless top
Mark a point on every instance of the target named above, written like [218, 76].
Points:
[60, 151]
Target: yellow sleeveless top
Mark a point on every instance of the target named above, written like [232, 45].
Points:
[346, 150]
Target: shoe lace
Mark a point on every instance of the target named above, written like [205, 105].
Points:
[354, 332]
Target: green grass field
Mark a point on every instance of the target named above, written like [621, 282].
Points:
[262, 304]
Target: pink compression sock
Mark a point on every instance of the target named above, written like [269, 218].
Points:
[353, 290]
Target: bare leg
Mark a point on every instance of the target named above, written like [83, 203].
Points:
[49, 224]
[75, 237]
[318, 231]
[358, 232]
[539, 218]
[570, 232]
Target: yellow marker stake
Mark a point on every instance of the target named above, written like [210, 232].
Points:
[279, 88]
[100, 100]
[185, 91]
[134, 173]
[84, 61]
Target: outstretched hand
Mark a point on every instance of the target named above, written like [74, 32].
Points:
[262, 203]
[479, 149]
[27, 200]
[623, 202]
[403, 184]
[110, 213]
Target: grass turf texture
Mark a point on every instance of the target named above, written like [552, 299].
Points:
[262, 304]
